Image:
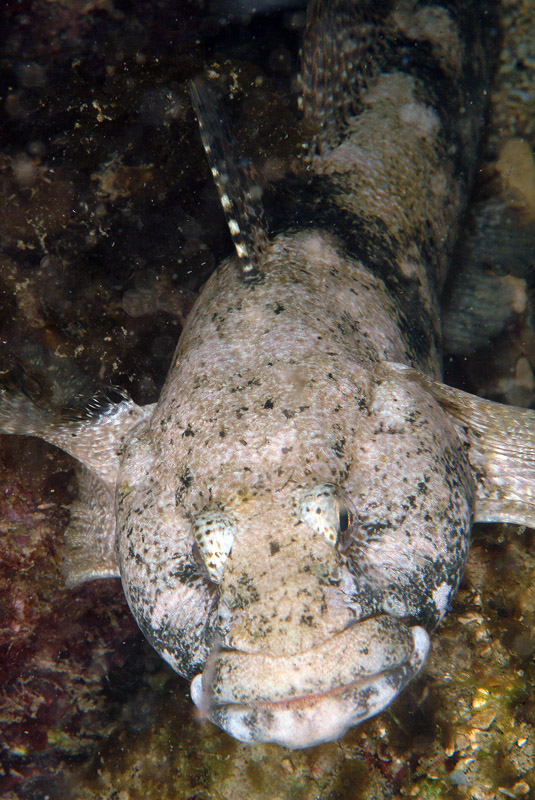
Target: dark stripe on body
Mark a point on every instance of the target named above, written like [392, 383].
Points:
[308, 204]
[336, 202]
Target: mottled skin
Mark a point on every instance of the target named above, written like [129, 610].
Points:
[273, 394]
[293, 516]
[266, 400]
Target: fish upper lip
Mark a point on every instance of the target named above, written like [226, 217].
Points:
[306, 714]
[263, 681]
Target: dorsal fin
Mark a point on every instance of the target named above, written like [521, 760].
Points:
[341, 51]
[240, 189]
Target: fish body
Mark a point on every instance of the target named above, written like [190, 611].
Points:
[291, 519]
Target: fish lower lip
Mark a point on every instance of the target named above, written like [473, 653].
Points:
[300, 717]
[304, 700]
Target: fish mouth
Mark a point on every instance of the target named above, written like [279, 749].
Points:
[312, 697]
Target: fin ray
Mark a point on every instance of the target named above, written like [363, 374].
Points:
[238, 185]
[90, 537]
[93, 436]
[341, 52]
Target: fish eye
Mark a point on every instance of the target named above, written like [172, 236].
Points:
[214, 533]
[344, 519]
[329, 511]
[346, 525]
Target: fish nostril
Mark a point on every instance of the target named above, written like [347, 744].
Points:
[241, 641]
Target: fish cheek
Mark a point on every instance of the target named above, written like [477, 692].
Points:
[167, 586]
[415, 505]
[165, 583]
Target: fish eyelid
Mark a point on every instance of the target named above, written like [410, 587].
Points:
[328, 510]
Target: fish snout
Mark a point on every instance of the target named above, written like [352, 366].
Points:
[313, 696]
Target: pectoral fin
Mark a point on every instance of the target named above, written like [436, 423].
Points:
[90, 550]
[501, 442]
[93, 434]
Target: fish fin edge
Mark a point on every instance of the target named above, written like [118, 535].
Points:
[90, 539]
[92, 434]
[239, 186]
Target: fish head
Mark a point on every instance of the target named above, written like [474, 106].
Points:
[293, 567]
